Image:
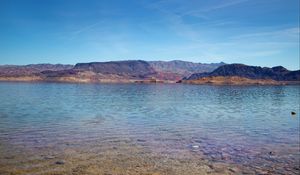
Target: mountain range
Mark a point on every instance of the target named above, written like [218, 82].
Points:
[150, 72]
[112, 71]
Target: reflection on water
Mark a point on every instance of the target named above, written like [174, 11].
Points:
[140, 129]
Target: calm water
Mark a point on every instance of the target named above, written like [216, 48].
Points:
[247, 128]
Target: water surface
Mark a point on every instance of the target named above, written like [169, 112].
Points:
[148, 129]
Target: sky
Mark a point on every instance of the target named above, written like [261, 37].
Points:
[253, 32]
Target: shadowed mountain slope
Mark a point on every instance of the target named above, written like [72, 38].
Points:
[277, 73]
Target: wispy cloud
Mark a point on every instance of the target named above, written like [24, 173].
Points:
[195, 8]
[173, 19]
[224, 4]
[286, 34]
[71, 35]
[176, 18]
[85, 28]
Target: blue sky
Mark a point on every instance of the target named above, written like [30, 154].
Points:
[254, 32]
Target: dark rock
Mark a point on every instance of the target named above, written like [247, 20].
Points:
[293, 113]
[141, 140]
[60, 162]
[9, 157]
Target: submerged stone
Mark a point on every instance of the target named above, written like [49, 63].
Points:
[141, 140]
[60, 162]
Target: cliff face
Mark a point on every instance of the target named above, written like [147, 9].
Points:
[278, 73]
[179, 69]
[139, 69]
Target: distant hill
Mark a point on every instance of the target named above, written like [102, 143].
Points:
[277, 73]
[31, 69]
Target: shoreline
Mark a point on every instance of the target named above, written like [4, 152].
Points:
[235, 81]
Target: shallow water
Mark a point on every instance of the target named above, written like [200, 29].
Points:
[52, 128]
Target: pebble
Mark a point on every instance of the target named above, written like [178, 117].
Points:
[293, 113]
[234, 170]
[195, 146]
[60, 162]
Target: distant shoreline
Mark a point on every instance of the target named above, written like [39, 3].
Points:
[204, 81]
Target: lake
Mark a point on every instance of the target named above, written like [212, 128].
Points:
[56, 128]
